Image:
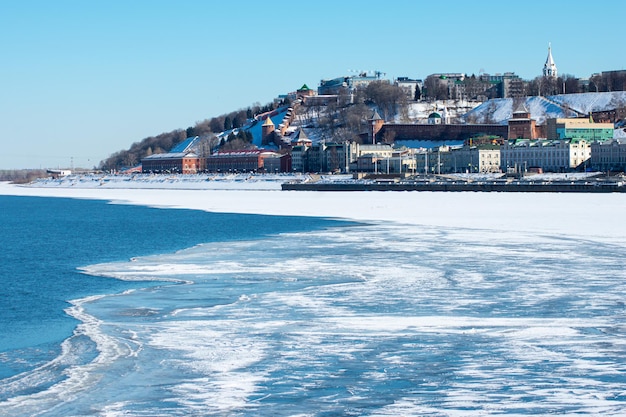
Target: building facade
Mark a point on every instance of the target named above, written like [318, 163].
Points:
[240, 161]
[549, 155]
[579, 128]
[468, 159]
[609, 156]
[412, 88]
[188, 163]
[298, 154]
[346, 85]
[181, 159]
[549, 68]
[521, 125]
[482, 159]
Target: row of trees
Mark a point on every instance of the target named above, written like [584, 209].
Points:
[390, 99]
[570, 84]
[22, 176]
[472, 87]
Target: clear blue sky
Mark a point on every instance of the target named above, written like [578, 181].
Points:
[83, 79]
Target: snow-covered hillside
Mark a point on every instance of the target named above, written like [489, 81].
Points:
[419, 112]
[497, 111]
[541, 108]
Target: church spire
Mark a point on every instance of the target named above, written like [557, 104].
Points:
[549, 68]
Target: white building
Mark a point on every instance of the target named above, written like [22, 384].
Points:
[484, 159]
[443, 160]
[549, 68]
[549, 155]
[409, 86]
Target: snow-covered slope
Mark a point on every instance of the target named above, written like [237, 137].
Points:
[542, 108]
[418, 112]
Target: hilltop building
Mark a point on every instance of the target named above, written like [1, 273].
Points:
[507, 85]
[434, 119]
[412, 88]
[549, 68]
[304, 92]
[439, 118]
[346, 85]
[459, 86]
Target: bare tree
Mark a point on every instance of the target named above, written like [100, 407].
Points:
[206, 145]
[387, 97]
[436, 88]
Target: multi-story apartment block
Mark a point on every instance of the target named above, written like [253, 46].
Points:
[460, 86]
[410, 87]
[344, 85]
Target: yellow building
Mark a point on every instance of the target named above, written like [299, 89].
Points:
[579, 128]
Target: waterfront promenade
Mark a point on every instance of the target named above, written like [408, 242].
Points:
[446, 184]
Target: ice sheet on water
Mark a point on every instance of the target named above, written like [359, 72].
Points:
[429, 319]
[387, 318]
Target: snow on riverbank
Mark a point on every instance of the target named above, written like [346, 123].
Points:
[577, 214]
[546, 176]
[172, 181]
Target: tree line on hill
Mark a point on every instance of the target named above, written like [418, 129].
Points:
[474, 87]
[206, 129]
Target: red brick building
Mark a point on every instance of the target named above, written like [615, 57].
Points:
[441, 132]
[521, 126]
[180, 160]
[254, 160]
[171, 163]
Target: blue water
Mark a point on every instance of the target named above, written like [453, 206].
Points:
[314, 318]
[45, 240]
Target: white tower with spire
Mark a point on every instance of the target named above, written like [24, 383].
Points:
[549, 68]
